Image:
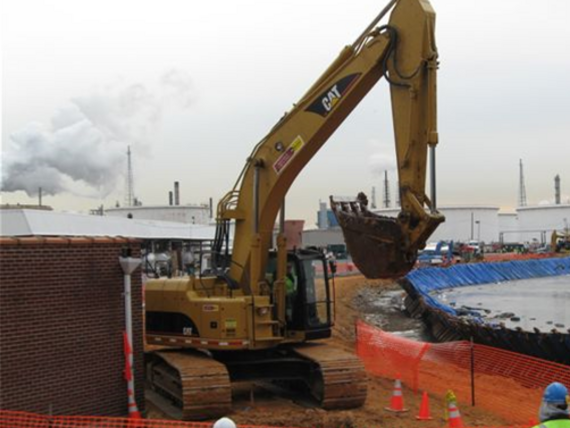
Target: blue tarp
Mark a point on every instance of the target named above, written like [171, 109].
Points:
[431, 279]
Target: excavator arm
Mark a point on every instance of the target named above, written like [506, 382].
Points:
[403, 52]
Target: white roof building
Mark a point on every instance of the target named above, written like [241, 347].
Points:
[25, 222]
[190, 214]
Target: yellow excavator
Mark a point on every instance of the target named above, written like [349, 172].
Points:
[258, 312]
[560, 241]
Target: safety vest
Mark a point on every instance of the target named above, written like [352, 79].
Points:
[556, 423]
[289, 285]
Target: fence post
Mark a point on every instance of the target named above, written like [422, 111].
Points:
[416, 381]
[472, 372]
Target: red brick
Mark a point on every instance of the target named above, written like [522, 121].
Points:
[61, 324]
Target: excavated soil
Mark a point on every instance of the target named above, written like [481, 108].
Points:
[378, 303]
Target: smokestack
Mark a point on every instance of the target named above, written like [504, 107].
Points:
[170, 196]
[211, 208]
[323, 221]
[40, 197]
[386, 201]
[557, 189]
[176, 193]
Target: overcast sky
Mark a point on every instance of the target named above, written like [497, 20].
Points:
[192, 86]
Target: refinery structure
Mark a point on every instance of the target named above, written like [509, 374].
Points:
[230, 312]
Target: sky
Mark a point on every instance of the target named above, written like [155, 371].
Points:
[193, 86]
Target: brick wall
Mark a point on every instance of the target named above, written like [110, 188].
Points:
[61, 322]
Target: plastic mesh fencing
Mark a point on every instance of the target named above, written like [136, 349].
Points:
[14, 419]
[505, 383]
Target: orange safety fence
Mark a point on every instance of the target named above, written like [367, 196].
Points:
[508, 257]
[15, 419]
[508, 384]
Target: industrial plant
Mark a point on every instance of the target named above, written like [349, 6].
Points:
[197, 296]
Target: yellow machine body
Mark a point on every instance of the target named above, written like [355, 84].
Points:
[244, 303]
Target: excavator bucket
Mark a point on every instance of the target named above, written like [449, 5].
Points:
[376, 243]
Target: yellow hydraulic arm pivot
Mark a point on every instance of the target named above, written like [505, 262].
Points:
[404, 52]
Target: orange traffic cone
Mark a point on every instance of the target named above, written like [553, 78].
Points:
[133, 409]
[424, 409]
[454, 416]
[397, 400]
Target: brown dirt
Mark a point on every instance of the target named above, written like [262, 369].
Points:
[255, 405]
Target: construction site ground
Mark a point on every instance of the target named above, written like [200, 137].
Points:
[376, 302]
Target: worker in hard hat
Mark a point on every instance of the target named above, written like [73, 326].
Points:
[224, 423]
[554, 407]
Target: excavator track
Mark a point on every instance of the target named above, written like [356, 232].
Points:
[188, 385]
[340, 381]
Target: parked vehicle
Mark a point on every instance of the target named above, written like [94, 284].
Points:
[437, 254]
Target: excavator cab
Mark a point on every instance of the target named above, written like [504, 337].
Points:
[308, 298]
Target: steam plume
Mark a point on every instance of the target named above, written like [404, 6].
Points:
[87, 138]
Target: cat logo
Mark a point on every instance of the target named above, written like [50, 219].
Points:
[327, 101]
[331, 98]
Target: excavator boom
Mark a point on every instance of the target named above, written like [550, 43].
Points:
[256, 309]
[384, 247]
[404, 52]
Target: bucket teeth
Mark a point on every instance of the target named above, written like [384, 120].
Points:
[376, 243]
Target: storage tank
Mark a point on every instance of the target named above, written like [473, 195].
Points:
[462, 223]
[538, 222]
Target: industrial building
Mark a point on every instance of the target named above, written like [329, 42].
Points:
[32, 222]
[189, 214]
[62, 320]
[464, 223]
[173, 212]
[534, 222]
[70, 264]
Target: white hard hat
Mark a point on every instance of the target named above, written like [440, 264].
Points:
[224, 423]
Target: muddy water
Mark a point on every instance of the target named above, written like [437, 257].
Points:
[385, 309]
[542, 303]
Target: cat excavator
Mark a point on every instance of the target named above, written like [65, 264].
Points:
[261, 313]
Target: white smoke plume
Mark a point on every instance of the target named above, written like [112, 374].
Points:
[87, 139]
